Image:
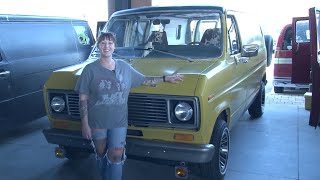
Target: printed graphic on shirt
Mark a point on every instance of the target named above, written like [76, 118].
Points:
[112, 92]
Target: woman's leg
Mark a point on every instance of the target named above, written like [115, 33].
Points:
[116, 152]
[99, 137]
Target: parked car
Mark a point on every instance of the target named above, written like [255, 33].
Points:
[31, 47]
[224, 64]
[292, 56]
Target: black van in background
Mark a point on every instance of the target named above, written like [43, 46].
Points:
[31, 47]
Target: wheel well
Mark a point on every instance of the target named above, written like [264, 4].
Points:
[223, 115]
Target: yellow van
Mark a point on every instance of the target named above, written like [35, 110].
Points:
[223, 57]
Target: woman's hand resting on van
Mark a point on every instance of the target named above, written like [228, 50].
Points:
[154, 80]
[174, 78]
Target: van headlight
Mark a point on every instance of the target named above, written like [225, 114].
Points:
[58, 104]
[183, 111]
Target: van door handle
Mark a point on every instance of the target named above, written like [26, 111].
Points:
[4, 74]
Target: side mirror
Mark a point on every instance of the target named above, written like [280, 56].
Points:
[250, 50]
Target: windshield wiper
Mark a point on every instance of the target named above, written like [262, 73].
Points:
[164, 52]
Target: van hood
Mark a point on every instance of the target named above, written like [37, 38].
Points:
[66, 78]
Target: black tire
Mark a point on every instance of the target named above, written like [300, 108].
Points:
[269, 45]
[256, 109]
[217, 167]
[76, 154]
[278, 89]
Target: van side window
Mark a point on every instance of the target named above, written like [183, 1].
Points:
[233, 38]
[83, 34]
[198, 28]
[302, 31]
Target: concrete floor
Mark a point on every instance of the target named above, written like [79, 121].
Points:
[278, 146]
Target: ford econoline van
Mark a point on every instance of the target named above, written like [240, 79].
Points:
[223, 60]
[31, 47]
[292, 56]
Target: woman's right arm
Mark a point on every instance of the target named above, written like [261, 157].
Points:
[83, 107]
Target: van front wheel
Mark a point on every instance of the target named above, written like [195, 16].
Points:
[217, 167]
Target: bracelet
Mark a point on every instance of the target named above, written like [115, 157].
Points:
[164, 78]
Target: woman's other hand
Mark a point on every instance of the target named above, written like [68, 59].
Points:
[86, 131]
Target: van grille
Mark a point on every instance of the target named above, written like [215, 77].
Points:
[146, 110]
[73, 105]
[142, 110]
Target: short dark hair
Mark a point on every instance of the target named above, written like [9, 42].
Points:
[107, 35]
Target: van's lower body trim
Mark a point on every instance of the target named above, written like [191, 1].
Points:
[194, 153]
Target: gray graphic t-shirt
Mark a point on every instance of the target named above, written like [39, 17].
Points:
[108, 93]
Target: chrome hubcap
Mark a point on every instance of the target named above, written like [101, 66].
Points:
[224, 151]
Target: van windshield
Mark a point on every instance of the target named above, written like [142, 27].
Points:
[184, 35]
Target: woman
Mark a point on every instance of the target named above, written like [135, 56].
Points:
[104, 87]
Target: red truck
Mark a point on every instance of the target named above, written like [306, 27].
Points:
[292, 63]
[297, 60]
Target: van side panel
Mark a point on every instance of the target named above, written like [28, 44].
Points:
[256, 65]
[33, 49]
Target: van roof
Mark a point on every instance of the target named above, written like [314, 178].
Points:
[16, 17]
[166, 8]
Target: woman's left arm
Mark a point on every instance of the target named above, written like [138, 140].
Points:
[154, 80]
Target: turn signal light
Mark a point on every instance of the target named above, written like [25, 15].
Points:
[183, 137]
